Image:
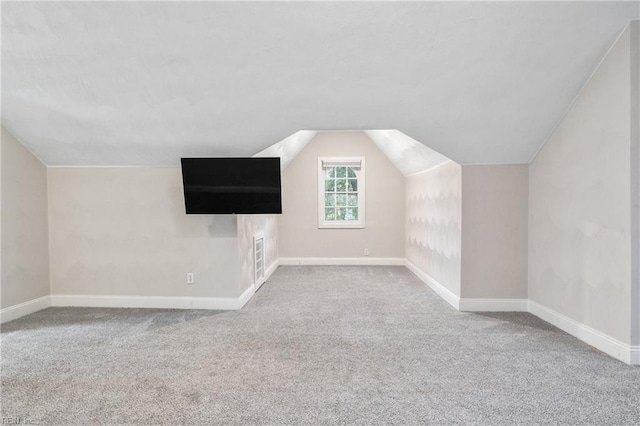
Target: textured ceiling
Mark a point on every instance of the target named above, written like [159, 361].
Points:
[106, 83]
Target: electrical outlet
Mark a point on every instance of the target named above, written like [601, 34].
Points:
[366, 252]
[190, 278]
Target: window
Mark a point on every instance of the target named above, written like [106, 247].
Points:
[341, 192]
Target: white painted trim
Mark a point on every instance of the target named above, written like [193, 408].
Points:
[256, 281]
[253, 288]
[246, 296]
[353, 261]
[613, 347]
[360, 176]
[21, 309]
[494, 305]
[635, 355]
[271, 269]
[158, 302]
[434, 285]
[593, 337]
[267, 274]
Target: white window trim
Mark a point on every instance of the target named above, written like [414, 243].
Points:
[360, 223]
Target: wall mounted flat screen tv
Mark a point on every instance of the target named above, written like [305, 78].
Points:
[232, 185]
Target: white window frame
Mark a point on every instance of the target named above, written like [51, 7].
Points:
[360, 175]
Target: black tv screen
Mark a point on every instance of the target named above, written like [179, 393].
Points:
[232, 185]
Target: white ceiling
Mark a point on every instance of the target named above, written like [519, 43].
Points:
[105, 83]
[407, 154]
[288, 148]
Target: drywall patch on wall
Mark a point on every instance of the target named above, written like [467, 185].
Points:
[433, 223]
[25, 228]
[579, 205]
[494, 231]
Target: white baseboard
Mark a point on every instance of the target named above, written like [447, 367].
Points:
[159, 302]
[351, 261]
[270, 270]
[613, 347]
[16, 311]
[494, 305]
[635, 355]
[248, 293]
[593, 337]
[246, 296]
[434, 285]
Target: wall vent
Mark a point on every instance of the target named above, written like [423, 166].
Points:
[258, 259]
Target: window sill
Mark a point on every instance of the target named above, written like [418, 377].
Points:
[341, 226]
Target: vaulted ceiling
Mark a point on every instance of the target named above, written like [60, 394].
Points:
[144, 83]
[406, 154]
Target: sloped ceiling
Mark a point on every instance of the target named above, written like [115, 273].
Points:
[407, 154]
[128, 83]
[288, 148]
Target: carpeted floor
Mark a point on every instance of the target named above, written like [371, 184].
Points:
[316, 345]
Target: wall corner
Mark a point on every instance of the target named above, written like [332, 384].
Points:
[634, 28]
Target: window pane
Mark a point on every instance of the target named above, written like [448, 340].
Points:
[330, 185]
[330, 214]
[338, 198]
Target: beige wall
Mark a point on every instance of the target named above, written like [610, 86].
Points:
[383, 235]
[494, 237]
[124, 231]
[25, 251]
[433, 223]
[579, 206]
